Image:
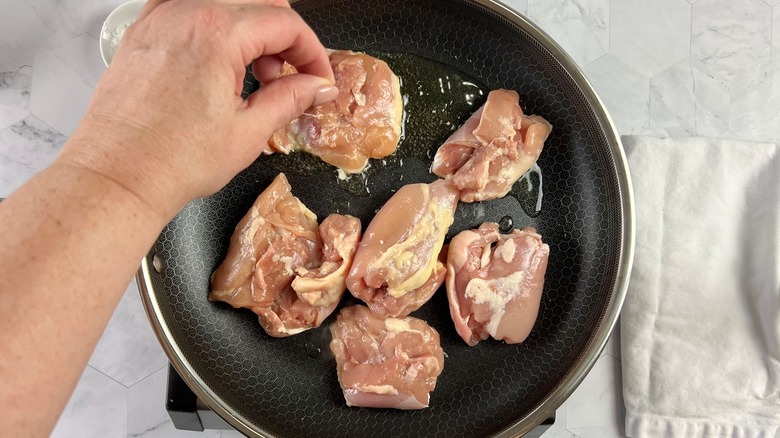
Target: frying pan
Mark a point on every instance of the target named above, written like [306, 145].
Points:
[288, 387]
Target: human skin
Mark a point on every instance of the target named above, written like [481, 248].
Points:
[165, 125]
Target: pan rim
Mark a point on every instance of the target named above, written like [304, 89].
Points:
[576, 375]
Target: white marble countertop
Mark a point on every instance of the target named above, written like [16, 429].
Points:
[663, 67]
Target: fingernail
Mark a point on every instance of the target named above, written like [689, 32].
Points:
[325, 94]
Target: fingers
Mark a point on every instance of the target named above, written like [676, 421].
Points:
[267, 68]
[280, 31]
[281, 101]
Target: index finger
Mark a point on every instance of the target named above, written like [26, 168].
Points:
[274, 30]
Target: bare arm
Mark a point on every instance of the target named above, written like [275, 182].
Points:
[165, 125]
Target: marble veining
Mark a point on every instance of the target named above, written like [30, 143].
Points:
[661, 67]
[684, 101]
[581, 27]
[14, 95]
[12, 59]
[520, 6]
[756, 109]
[729, 38]
[624, 91]
[650, 35]
[26, 148]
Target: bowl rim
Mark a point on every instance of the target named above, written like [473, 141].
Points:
[577, 374]
[103, 43]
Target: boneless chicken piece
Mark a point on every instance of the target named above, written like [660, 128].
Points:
[282, 266]
[397, 267]
[385, 362]
[363, 122]
[493, 149]
[326, 284]
[494, 282]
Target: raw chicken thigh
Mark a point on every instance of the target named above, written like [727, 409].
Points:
[326, 284]
[494, 282]
[282, 266]
[385, 363]
[397, 266]
[363, 122]
[493, 149]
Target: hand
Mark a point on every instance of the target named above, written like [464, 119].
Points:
[166, 120]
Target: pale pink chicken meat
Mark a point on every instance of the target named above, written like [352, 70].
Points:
[283, 266]
[494, 282]
[492, 149]
[385, 362]
[363, 122]
[397, 267]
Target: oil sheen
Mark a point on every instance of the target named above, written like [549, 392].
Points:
[528, 191]
[437, 100]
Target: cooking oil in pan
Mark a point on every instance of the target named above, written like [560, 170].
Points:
[437, 100]
[312, 350]
[506, 224]
[528, 191]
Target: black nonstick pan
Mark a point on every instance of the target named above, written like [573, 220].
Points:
[448, 53]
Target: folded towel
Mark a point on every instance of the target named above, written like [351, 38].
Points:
[700, 327]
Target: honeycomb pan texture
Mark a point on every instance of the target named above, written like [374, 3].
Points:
[282, 387]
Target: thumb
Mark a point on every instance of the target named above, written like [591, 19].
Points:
[283, 100]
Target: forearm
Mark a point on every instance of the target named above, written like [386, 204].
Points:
[157, 133]
[86, 234]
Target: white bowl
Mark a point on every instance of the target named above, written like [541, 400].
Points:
[115, 25]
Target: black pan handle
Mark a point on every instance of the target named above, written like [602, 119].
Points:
[181, 403]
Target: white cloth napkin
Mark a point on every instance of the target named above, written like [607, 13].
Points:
[700, 328]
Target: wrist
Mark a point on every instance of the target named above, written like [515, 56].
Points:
[138, 178]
